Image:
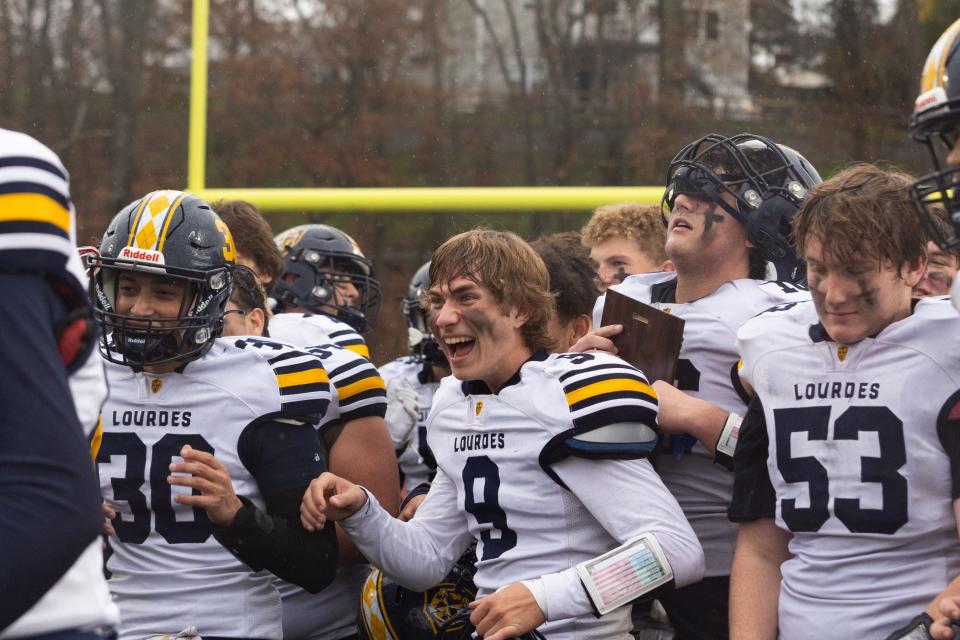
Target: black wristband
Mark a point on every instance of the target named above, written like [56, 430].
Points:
[249, 525]
[916, 629]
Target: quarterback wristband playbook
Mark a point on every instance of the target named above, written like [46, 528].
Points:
[727, 442]
[625, 573]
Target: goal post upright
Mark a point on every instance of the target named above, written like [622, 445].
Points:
[380, 199]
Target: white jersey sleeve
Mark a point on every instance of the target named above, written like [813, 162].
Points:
[310, 330]
[417, 553]
[357, 389]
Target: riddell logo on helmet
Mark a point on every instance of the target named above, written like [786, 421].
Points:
[930, 98]
[143, 255]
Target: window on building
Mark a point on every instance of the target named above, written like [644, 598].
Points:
[711, 25]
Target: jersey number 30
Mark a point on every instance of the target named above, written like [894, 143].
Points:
[127, 488]
[882, 470]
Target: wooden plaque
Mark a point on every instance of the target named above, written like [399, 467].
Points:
[650, 339]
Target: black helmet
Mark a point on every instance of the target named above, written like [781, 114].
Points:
[391, 612]
[423, 345]
[769, 182]
[176, 236]
[934, 123]
[316, 258]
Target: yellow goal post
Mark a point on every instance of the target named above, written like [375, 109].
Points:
[380, 199]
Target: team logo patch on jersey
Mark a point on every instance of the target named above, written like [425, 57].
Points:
[666, 309]
[478, 408]
[155, 385]
[842, 351]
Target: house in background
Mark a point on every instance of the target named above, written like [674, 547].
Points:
[597, 48]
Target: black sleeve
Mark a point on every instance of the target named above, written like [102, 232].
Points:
[49, 496]
[283, 459]
[753, 495]
[948, 430]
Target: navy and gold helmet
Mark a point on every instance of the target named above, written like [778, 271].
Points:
[423, 345]
[389, 611]
[767, 180]
[324, 271]
[178, 238]
[935, 123]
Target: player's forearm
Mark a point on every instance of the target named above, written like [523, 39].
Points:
[706, 424]
[363, 454]
[755, 582]
[631, 501]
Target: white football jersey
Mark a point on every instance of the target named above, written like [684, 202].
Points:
[416, 461]
[311, 329]
[357, 391]
[525, 522]
[708, 360]
[168, 571]
[861, 478]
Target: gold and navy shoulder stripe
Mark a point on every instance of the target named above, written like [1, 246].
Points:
[351, 341]
[359, 390]
[302, 381]
[36, 215]
[606, 393]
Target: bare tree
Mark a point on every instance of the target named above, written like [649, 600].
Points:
[123, 27]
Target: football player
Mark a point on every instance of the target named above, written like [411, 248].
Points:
[51, 389]
[942, 264]
[846, 475]
[934, 123]
[358, 397]
[728, 206]
[356, 437]
[207, 443]
[573, 281]
[246, 312]
[327, 291]
[521, 438]
[251, 232]
[411, 382]
[624, 239]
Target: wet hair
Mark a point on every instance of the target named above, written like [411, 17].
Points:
[252, 235]
[248, 293]
[862, 211]
[506, 265]
[573, 275]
